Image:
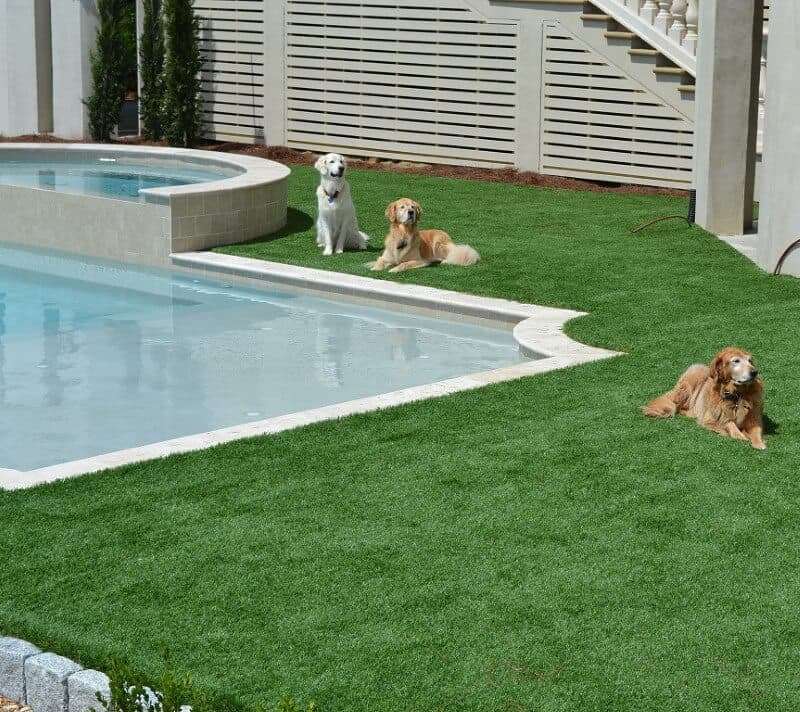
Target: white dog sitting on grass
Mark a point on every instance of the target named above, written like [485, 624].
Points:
[337, 226]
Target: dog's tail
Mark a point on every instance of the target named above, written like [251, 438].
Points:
[462, 256]
[362, 240]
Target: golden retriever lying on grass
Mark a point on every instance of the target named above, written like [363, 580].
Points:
[725, 397]
[408, 247]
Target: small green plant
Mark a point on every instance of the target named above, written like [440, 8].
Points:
[290, 704]
[181, 73]
[172, 692]
[151, 68]
[109, 69]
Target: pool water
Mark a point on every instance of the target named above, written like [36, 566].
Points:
[104, 177]
[97, 357]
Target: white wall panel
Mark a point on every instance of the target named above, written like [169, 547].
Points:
[430, 80]
[599, 123]
[232, 46]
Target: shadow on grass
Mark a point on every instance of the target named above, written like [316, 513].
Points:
[770, 426]
[296, 222]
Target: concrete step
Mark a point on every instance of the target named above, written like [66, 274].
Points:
[669, 70]
[614, 42]
[619, 35]
[643, 52]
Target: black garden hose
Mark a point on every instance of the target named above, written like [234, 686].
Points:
[784, 255]
[689, 218]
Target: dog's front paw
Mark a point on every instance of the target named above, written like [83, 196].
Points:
[759, 446]
[399, 268]
[327, 252]
[339, 250]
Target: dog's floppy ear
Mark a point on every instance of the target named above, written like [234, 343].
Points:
[320, 164]
[718, 368]
[391, 212]
[417, 208]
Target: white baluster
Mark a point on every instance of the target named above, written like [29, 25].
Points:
[634, 5]
[649, 11]
[678, 30]
[663, 20]
[692, 15]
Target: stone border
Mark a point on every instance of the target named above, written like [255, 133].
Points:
[537, 329]
[47, 682]
[249, 204]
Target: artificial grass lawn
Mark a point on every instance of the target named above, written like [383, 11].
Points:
[535, 545]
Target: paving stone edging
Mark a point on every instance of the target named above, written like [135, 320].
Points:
[47, 682]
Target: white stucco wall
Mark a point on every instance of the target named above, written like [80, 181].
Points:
[74, 24]
[779, 223]
[25, 64]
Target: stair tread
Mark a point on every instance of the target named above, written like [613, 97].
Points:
[594, 16]
[669, 70]
[644, 51]
[687, 88]
[620, 34]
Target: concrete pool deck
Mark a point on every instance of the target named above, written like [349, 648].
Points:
[538, 330]
[181, 218]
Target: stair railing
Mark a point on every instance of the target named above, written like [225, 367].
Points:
[670, 26]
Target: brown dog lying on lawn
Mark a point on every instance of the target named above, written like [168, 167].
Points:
[408, 247]
[725, 397]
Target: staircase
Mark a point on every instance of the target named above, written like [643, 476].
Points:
[618, 98]
[670, 74]
[664, 33]
[669, 60]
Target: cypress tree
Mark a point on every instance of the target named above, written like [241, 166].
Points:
[151, 66]
[181, 73]
[108, 72]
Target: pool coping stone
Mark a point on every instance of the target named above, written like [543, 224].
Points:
[537, 329]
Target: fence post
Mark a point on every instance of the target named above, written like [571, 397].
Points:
[726, 127]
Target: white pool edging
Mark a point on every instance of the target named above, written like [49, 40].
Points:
[251, 170]
[536, 328]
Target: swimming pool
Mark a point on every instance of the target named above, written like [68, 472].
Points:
[106, 177]
[136, 204]
[97, 357]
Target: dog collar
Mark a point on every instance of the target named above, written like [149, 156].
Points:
[333, 197]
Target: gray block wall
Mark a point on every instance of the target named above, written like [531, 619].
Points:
[47, 682]
[13, 654]
[46, 678]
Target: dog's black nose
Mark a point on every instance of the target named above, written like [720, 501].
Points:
[754, 373]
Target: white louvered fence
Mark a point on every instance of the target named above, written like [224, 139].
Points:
[232, 47]
[449, 81]
[432, 81]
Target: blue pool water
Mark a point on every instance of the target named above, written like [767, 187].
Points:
[98, 357]
[104, 178]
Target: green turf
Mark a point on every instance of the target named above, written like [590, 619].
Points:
[536, 545]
